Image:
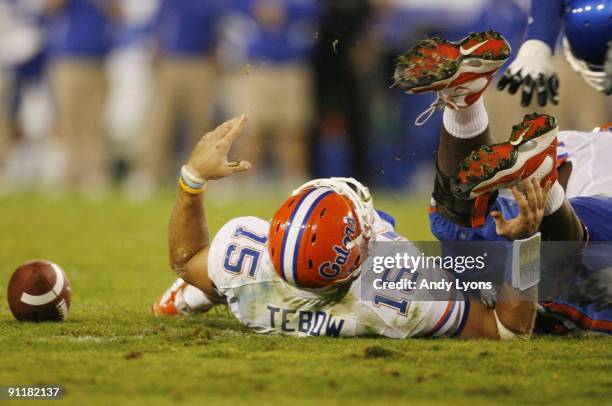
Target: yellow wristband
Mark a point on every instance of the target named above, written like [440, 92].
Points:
[191, 190]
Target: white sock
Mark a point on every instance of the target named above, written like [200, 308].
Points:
[195, 299]
[467, 122]
[555, 199]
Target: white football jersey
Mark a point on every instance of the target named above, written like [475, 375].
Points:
[241, 269]
[591, 158]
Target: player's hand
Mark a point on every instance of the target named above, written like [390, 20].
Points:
[533, 72]
[531, 204]
[209, 158]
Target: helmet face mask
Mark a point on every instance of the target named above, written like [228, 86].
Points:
[587, 41]
[595, 77]
[320, 236]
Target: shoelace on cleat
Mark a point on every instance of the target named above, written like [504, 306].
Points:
[442, 100]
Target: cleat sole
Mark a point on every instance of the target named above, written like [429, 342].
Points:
[502, 165]
[436, 61]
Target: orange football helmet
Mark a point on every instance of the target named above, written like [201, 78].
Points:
[320, 236]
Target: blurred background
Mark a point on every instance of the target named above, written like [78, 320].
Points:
[104, 95]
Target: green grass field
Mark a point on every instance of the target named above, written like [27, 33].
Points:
[113, 350]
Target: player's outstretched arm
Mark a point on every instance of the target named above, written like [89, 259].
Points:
[533, 71]
[189, 237]
[514, 313]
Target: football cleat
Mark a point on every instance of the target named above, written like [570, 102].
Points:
[459, 71]
[530, 152]
[166, 304]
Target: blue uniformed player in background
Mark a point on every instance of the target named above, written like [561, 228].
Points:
[587, 33]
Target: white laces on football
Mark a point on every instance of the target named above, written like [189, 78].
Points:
[440, 103]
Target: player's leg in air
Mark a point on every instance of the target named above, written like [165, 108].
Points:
[465, 204]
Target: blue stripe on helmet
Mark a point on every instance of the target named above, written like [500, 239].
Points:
[300, 234]
[282, 255]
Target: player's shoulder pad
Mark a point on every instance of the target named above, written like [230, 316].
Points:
[238, 252]
[252, 223]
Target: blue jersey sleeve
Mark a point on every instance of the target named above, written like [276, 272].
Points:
[546, 21]
[445, 230]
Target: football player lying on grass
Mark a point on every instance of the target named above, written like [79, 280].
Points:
[299, 274]
[466, 206]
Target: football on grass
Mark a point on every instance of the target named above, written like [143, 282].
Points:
[39, 291]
